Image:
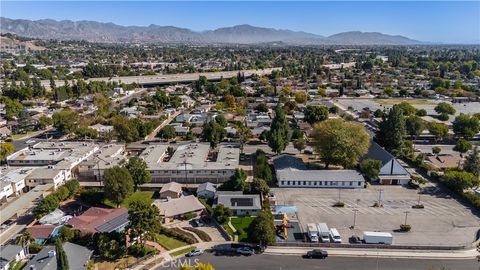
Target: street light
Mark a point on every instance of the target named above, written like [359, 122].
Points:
[406, 215]
[354, 217]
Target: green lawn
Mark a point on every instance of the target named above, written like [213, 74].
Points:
[145, 196]
[242, 223]
[182, 251]
[168, 242]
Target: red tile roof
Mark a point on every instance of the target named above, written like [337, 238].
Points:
[94, 217]
[41, 231]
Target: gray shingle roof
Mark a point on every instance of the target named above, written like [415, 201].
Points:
[288, 162]
[9, 252]
[77, 257]
[375, 151]
[206, 186]
[319, 175]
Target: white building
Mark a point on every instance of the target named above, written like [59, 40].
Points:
[12, 181]
[108, 156]
[191, 163]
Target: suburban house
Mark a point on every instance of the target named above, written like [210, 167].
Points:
[292, 172]
[241, 204]
[177, 208]
[392, 172]
[97, 219]
[9, 255]
[206, 190]
[171, 190]
[43, 233]
[77, 257]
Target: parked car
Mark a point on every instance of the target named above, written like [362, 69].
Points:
[30, 141]
[245, 251]
[195, 252]
[316, 254]
[354, 239]
[197, 223]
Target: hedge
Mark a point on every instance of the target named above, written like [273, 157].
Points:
[179, 236]
[203, 235]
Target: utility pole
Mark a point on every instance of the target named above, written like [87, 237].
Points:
[354, 217]
[406, 216]
[380, 191]
[339, 196]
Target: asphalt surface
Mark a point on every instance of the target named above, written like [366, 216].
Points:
[271, 262]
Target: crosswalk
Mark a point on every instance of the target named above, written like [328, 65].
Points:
[390, 207]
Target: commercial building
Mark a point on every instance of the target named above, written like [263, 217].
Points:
[391, 172]
[292, 172]
[93, 167]
[191, 163]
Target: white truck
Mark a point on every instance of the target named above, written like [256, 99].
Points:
[323, 232]
[378, 238]
[335, 236]
[312, 232]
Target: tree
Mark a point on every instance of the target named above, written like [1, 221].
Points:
[262, 229]
[262, 168]
[444, 107]
[339, 142]
[213, 132]
[415, 125]
[46, 205]
[168, 132]
[125, 129]
[439, 130]
[62, 260]
[388, 91]
[392, 130]
[139, 171]
[244, 134]
[279, 135]
[466, 126]
[222, 214]
[236, 181]
[299, 144]
[6, 149]
[421, 112]
[198, 266]
[370, 168]
[259, 186]
[144, 219]
[73, 186]
[407, 108]
[459, 180]
[220, 119]
[472, 162]
[315, 113]
[65, 120]
[118, 184]
[68, 234]
[436, 150]
[301, 97]
[84, 132]
[44, 122]
[462, 146]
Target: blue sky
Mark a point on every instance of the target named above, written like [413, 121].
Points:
[450, 22]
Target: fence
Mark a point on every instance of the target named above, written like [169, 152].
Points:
[333, 245]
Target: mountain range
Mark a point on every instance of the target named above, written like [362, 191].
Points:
[240, 34]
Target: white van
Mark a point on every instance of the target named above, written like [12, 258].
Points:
[323, 232]
[335, 236]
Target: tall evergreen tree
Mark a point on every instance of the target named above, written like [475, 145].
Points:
[472, 162]
[392, 130]
[62, 261]
[279, 135]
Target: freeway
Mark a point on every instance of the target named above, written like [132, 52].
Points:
[274, 262]
[171, 78]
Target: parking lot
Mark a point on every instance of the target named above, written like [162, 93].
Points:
[443, 221]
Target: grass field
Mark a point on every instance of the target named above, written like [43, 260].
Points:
[182, 251]
[118, 264]
[411, 101]
[242, 223]
[145, 196]
[168, 242]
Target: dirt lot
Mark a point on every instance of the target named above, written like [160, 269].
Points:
[443, 221]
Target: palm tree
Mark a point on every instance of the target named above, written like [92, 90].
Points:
[25, 240]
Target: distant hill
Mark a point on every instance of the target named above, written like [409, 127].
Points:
[241, 34]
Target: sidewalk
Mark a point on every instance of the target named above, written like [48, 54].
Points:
[383, 253]
[164, 257]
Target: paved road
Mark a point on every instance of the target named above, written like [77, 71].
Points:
[171, 78]
[271, 262]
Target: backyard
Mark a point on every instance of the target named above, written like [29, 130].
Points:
[144, 196]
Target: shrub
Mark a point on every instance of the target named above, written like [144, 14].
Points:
[405, 228]
[339, 204]
[376, 204]
[179, 236]
[34, 248]
[190, 215]
[418, 206]
[139, 251]
[92, 196]
[203, 235]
